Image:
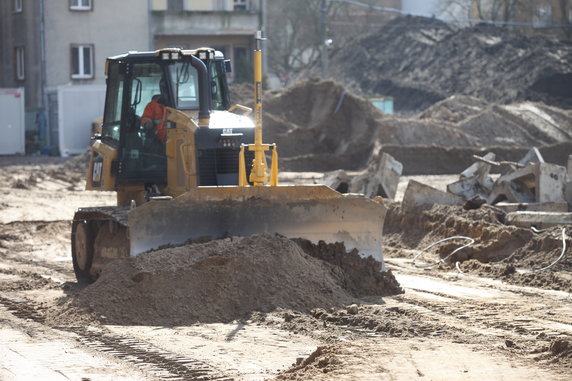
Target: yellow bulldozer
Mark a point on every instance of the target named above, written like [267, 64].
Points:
[197, 167]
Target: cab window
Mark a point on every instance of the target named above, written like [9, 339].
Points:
[113, 102]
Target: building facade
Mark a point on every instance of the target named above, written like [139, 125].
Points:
[21, 52]
[226, 25]
[56, 51]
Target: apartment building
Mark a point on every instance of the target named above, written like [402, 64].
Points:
[56, 51]
[226, 25]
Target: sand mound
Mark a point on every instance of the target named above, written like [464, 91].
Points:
[420, 61]
[220, 281]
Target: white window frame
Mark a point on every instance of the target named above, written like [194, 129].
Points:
[17, 6]
[76, 5]
[20, 63]
[241, 5]
[83, 73]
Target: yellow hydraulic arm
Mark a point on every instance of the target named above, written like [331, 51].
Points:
[258, 176]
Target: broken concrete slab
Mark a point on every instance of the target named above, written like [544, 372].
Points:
[475, 180]
[478, 167]
[568, 192]
[511, 191]
[418, 195]
[537, 182]
[532, 156]
[389, 171]
[538, 219]
[338, 180]
[558, 207]
[468, 188]
[380, 180]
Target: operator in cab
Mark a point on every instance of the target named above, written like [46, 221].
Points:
[154, 118]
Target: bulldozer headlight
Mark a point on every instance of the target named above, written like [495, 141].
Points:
[165, 56]
[175, 55]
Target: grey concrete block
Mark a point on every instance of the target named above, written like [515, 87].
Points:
[559, 207]
[538, 219]
[418, 194]
[537, 182]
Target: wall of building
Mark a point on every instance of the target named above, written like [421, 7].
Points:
[113, 27]
[212, 23]
[201, 5]
[21, 29]
[199, 23]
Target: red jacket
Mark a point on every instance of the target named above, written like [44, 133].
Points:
[156, 113]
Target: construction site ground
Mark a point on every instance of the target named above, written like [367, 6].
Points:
[446, 325]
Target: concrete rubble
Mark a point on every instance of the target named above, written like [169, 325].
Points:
[379, 179]
[531, 180]
[531, 191]
[420, 195]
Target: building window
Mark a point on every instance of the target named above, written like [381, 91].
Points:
[175, 5]
[82, 61]
[219, 5]
[241, 5]
[20, 73]
[80, 5]
[542, 16]
[17, 6]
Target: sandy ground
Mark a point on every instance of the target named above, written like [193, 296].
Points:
[446, 326]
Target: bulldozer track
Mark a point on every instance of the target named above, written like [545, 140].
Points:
[115, 213]
[159, 363]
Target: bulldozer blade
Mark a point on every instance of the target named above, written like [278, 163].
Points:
[317, 213]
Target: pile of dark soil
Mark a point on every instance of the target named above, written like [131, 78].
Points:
[420, 61]
[511, 253]
[225, 280]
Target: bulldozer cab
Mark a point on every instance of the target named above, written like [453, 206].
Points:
[131, 123]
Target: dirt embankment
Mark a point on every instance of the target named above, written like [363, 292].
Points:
[321, 126]
[511, 253]
[420, 61]
[228, 279]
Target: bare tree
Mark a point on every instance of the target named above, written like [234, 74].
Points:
[293, 31]
[492, 10]
[293, 28]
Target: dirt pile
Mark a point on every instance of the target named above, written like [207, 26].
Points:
[511, 253]
[221, 281]
[321, 126]
[241, 93]
[420, 61]
[519, 124]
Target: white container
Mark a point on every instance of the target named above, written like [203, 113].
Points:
[12, 122]
[78, 107]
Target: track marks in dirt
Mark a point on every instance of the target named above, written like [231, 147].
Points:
[159, 363]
